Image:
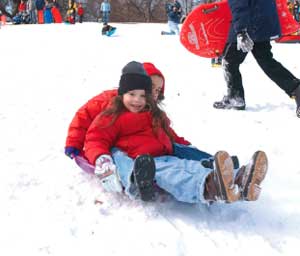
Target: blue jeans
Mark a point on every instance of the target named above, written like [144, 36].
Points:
[174, 28]
[183, 179]
[189, 153]
[105, 17]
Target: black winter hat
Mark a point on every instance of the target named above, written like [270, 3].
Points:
[134, 77]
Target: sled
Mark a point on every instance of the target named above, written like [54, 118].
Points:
[40, 15]
[56, 15]
[205, 30]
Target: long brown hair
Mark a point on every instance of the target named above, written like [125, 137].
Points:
[159, 117]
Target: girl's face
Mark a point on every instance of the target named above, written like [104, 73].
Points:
[135, 100]
[157, 85]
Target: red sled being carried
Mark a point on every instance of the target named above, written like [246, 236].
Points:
[294, 38]
[205, 30]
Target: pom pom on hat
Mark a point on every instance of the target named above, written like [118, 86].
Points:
[134, 77]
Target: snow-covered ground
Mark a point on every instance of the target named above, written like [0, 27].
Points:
[50, 207]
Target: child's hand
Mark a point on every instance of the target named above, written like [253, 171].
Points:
[107, 172]
[71, 152]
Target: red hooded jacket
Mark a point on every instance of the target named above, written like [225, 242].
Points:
[131, 133]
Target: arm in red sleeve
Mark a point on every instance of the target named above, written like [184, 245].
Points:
[100, 138]
[85, 116]
[177, 139]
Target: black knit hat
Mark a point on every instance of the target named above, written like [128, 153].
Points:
[134, 77]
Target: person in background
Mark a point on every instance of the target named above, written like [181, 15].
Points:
[254, 24]
[105, 11]
[32, 11]
[80, 12]
[71, 12]
[174, 13]
[40, 4]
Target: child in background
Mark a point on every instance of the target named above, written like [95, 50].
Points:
[137, 126]
[80, 12]
[71, 12]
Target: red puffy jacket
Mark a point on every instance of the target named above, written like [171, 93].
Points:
[84, 117]
[80, 11]
[131, 133]
[86, 114]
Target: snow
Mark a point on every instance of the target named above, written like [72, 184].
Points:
[50, 207]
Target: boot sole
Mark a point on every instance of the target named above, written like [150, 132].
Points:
[225, 179]
[223, 106]
[144, 173]
[255, 174]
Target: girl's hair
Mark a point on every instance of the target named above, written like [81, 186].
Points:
[159, 117]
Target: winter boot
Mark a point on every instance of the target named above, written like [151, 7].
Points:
[236, 103]
[220, 183]
[250, 177]
[143, 176]
[296, 96]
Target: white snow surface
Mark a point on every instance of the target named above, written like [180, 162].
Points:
[49, 206]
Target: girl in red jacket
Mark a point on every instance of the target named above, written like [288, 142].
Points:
[136, 125]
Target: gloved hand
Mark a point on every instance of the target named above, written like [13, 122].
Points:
[107, 172]
[71, 152]
[244, 42]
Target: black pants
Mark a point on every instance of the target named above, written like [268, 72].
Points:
[264, 57]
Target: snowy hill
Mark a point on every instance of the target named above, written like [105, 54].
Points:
[50, 207]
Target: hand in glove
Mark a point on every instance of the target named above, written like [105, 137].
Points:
[71, 152]
[244, 42]
[107, 172]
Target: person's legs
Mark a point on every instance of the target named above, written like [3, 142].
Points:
[184, 179]
[273, 69]
[125, 166]
[235, 98]
[189, 153]
[105, 17]
[173, 27]
[231, 67]
[189, 181]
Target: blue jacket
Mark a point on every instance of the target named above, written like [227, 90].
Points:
[40, 4]
[259, 17]
[174, 15]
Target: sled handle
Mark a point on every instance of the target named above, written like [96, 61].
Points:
[209, 10]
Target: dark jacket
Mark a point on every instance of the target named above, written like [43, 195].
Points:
[40, 4]
[174, 14]
[259, 17]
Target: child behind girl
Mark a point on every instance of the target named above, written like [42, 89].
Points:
[137, 126]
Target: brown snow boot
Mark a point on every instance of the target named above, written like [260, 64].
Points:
[249, 177]
[219, 184]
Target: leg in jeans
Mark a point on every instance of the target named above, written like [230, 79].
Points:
[184, 179]
[189, 153]
[273, 69]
